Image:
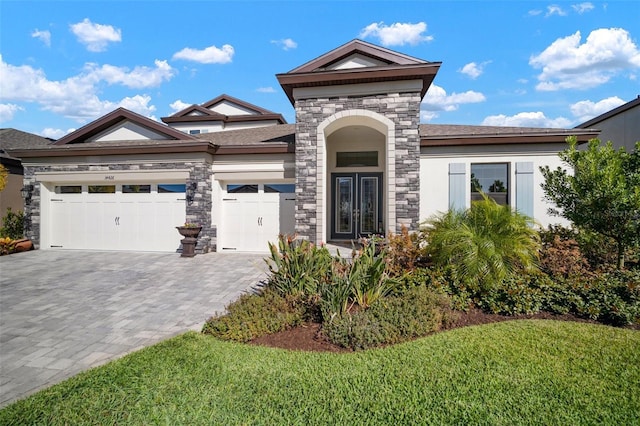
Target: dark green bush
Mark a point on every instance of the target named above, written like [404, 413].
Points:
[393, 319]
[254, 315]
[12, 225]
[297, 267]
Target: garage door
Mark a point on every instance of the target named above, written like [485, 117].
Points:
[139, 217]
[255, 213]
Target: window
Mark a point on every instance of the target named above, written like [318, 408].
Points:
[166, 188]
[492, 179]
[194, 132]
[102, 189]
[69, 189]
[242, 189]
[287, 188]
[357, 159]
[136, 189]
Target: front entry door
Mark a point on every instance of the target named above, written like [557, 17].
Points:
[356, 207]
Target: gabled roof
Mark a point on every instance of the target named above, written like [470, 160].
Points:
[388, 66]
[115, 117]
[257, 113]
[622, 108]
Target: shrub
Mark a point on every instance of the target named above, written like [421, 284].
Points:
[517, 295]
[12, 225]
[483, 244]
[404, 251]
[368, 275]
[297, 267]
[254, 315]
[7, 246]
[394, 319]
[562, 258]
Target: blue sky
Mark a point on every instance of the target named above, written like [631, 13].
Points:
[547, 64]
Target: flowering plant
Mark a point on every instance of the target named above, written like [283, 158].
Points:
[190, 225]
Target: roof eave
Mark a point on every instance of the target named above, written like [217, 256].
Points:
[530, 138]
[88, 150]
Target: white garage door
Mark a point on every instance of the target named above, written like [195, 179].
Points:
[117, 217]
[255, 214]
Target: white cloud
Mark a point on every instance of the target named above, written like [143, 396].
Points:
[437, 100]
[586, 110]
[567, 64]
[526, 119]
[139, 77]
[178, 105]
[43, 36]
[397, 34]
[473, 70]
[75, 97]
[554, 9]
[52, 133]
[208, 55]
[285, 43]
[534, 12]
[266, 89]
[95, 36]
[583, 7]
[7, 111]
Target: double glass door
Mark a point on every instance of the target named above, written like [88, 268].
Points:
[356, 209]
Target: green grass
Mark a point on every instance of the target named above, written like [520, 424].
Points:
[515, 372]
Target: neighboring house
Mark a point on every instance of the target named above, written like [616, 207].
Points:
[356, 162]
[10, 196]
[621, 125]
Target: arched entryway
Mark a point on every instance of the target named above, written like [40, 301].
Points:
[356, 176]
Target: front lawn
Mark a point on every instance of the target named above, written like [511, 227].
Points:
[515, 372]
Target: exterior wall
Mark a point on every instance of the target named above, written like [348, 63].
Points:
[434, 175]
[127, 131]
[199, 170]
[623, 129]
[10, 196]
[403, 110]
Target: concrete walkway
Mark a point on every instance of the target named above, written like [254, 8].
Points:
[62, 312]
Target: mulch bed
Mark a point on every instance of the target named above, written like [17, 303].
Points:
[307, 337]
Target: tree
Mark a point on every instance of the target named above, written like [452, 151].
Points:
[602, 194]
[3, 177]
[483, 244]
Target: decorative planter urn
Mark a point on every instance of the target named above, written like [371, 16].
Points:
[190, 234]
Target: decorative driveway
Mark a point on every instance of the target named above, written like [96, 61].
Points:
[62, 312]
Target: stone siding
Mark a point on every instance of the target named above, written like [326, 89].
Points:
[401, 108]
[199, 211]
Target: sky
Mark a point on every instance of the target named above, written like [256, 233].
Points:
[516, 63]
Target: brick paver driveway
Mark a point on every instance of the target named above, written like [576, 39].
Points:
[62, 312]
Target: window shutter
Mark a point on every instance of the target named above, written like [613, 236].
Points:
[457, 185]
[524, 188]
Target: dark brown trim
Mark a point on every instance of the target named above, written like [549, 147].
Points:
[255, 149]
[224, 118]
[247, 105]
[115, 117]
[356, 46]
[606, 115]
[425, 72]
[89, 150]
[185, 112]
[505, 139]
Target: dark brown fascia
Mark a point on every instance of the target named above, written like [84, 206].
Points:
[351, 48]
[185, 112]
[425, 71]
[256, 149]
[606, 115]
[462, 140]
[88, 150]
[247, 105]
[113, 118]
[225, 118]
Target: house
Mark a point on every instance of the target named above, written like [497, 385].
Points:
[10, 196]
[356, 162]
[621, 125]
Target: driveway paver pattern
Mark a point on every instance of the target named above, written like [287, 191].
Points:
[63, 312]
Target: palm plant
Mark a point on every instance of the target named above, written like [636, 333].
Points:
[483, 244]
